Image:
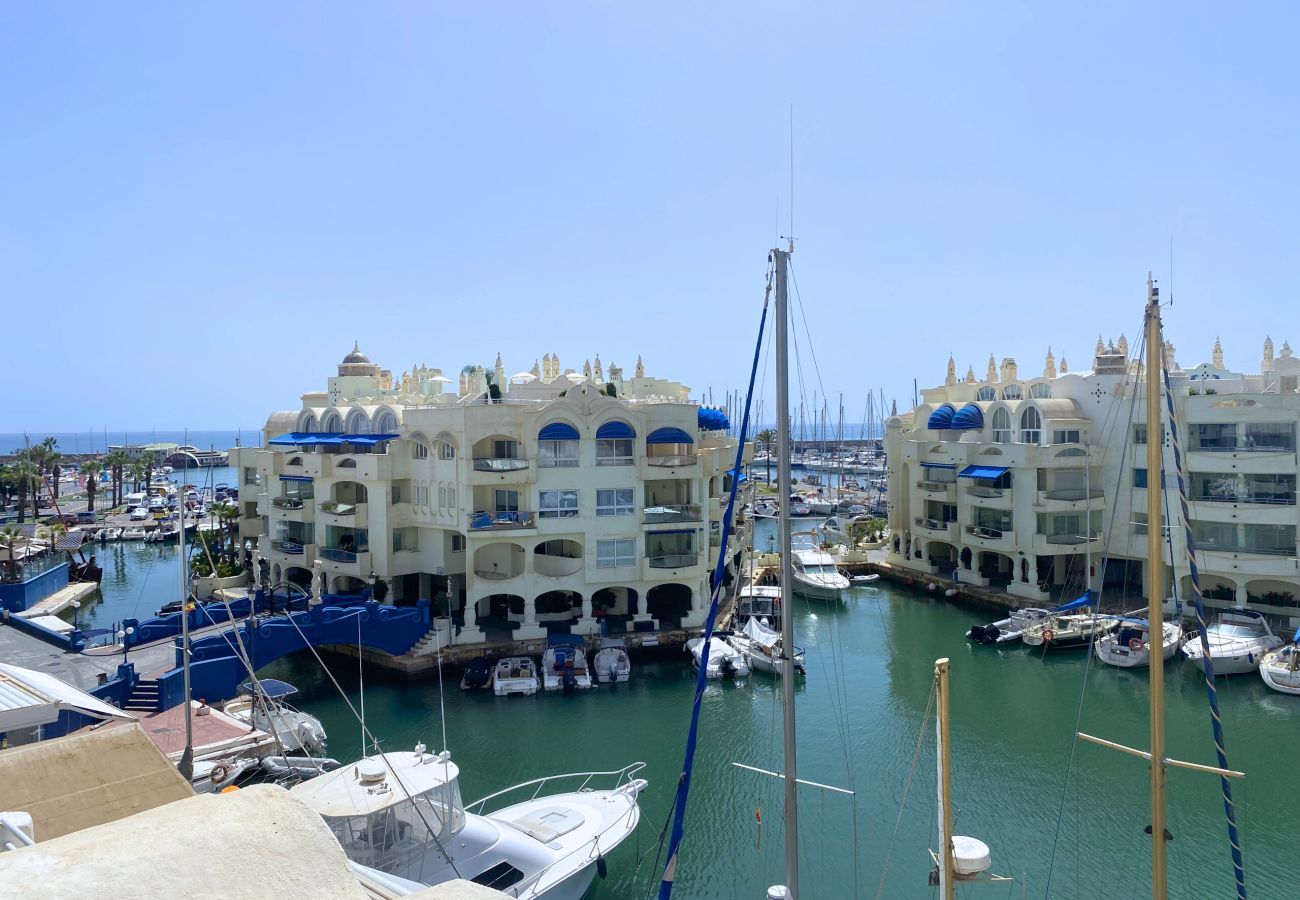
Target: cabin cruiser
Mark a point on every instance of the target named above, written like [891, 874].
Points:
[815, 573]
[1238, 641]
[564, 664]
[1280, 668]
[1129, 646]
[820, 506]
[134, 533]
[1008, 630]
[399, 818]
[110, 534]
[725, 661]
[761, 648]
[611, 661]
[515, 675]
[478, 675]
[761, 602]
[261, 704]
[765, 509]
[799, 506]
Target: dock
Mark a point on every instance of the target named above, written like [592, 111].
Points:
[60, 600]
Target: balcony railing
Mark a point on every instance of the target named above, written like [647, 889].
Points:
[494, 575]
[1070, 538]
[615, 460]
[984, 531]
[934, 485]
[494, 464]
[672, 462]
[1211, 547]
[293, 548]
[287, 502]
[1074, 494]
[984, 490]
[1244, 444]
[501, 520]
[676, 512]
[931, 524]
[337, 508]
[1279, 499]
[672, 561]
[337, 554]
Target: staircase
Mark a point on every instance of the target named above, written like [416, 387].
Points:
[426, 645]
[144, 697]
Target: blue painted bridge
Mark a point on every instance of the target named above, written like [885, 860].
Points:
[217, 668]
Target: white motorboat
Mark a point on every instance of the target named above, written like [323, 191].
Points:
[725, 661]
[815, 574]
[1008, 630]
[1280, 668]
[515, 675]
[611, 661]
[1238, 641]
[799, 506]
[301, 767]
[860, 580]
[761, 602]
[819, 506]
[564, 664]
[765, 509]
[262, 705]
[212, 776]
[134, 533]
[400, 820]
[111, 534]
[761, 648]
[1129, 647]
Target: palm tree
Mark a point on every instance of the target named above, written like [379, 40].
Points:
[7, 484]
[228, 514]
[137, 474]
[117, 462]
[9, 537]
[25, 478]
[91, 469]
[767, 437]
[52, 463]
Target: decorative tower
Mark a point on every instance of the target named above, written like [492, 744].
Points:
[1286, 350]
[1008, 369]
[1169, 356]
[1122, 346]
[951, 379]
[1101, 347]
[1049, 365]
[970, 374]
[600, 375]
[1266, 364]
[586, 369]
[640, 369]
[992, 374]
[536, 370]
[499, 372]
[1217, 355]
[1065, 366]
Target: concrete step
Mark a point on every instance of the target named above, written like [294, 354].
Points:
[144, 697]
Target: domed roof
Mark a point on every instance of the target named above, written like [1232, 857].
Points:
[356, 357]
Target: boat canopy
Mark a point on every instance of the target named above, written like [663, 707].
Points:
[982, 472]
[941, 418]
[615, 430]
[29, 698]
[968, 417]
[271, 687]
[558, 431]
[669, 436]
[1086, 600]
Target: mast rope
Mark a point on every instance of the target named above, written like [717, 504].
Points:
[907, 787]
[702, 676]
[1216, 722]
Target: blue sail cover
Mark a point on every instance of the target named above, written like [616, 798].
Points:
[1086, 600]
[941, 418]
[968, 417]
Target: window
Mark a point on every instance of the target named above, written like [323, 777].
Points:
[1069, 436]
[614, 502]
[1214, 437]
[419, 451]
[1013, 392]
[332, 424]
[446, 450]
[1140, 523]
[1031, 427]
[986, 393]
[405, 539]
[1040, 390]
[396, 490]
[615, 554]
[1270, 436]
[505, 449]
[1001, 426]
[557, 504]
[499, 877]
[458, 543]
[451, 498]
[1139, 478]
[506, 501]
[442, 496]
[614, 452]
[386, 423]
[552, 454]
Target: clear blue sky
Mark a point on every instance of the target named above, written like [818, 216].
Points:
[203, 205]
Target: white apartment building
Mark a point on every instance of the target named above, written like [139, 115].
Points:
[1038, 485]
[546, 498]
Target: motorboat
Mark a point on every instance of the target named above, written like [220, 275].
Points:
[1068, 631]
[761, 602]
[110, 534]
[262, 705]
[212, 776]
[400, 820]
[725, 661]
[765, 509]
[515, 675]
[1280, 668]
[611, 662]
[478, 675]
[564, 664]
[134, 533]
[799, 506]
[299, 767]
[1238, 641]
[860, 580]
[819, 506]
[761, 648]
[1010, 629]
[1129, 646]
[815, 574]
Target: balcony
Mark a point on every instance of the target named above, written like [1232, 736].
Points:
[672, 462]
[1073, 494]
[992, 538]
[675, 512]
[1052, 544]
[502, 520]
[615, 460]
[290, 548]
[935, 487]
[338, 554]
[494, 464]
[337, 508]
[672, 561]
[984, 491]
[287, 503]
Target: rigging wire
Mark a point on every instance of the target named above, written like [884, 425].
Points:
[907, 787]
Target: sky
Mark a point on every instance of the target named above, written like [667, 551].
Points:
[203, 206]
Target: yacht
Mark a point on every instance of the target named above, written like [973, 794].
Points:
[820, 506]
[761, 648]
[815, 573]
[1129, 646]
[1280, 668]
[1238, 641]
[262, 705]
[725, 661]
[1068, 631]
[761, 602]
[799, 506]
[611, 661]
[399, 818]
[134, 533]
[515, 675]
[564, 664]
[1010, 629]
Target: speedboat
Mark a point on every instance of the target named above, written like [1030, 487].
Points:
[611, 661]
[515, 675]
[1238, 641]
[1129, 647]
[1068, 631]
[860, 580]
[564, 664]
[262, 705]
[1008, 630]
[1280, 668]
[478, 675]
[725, 661]
[761, 648]
[820, 506]
[110, 534]
[134, 533]
[815, 573]
[212, 776]
[765, 509]
[400, 820]
[799, 506]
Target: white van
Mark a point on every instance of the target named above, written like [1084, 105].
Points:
[136, 499]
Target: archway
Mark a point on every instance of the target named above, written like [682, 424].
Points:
[614, 604]
[557, 557]
[996, 567]
[348, 584]
[499, 560]
[943, 556]
[669, 603]
[965, 557]
[297, 575]
[559, 606]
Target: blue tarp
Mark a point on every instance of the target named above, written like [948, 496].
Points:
[941, 418]
[982, 472]
[616, 430]
[1086, 600]
[558, 431]
[565, 640]
[969, 416]
[368, 438]
[669, 436]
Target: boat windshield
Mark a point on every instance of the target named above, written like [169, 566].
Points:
[827, 569]
[1225, 629]
[393, 838]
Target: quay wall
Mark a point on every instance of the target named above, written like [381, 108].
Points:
[18, 596]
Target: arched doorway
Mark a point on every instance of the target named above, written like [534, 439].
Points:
[669, 603]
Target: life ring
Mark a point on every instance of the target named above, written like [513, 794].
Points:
[1047, 635]
[219, 773]
[1134, 644]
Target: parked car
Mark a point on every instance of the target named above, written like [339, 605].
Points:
[139, 514]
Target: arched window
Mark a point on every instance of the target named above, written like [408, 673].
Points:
[1031, 427]
[332, 424]
[386, 423]
[358, 422]
[1040, 390]
[419, 451]
[1013, 392]
[986, 393]
[308, 423]
[1001, 425]
[446, 450]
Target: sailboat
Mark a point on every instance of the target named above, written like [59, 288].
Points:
[1280, 667]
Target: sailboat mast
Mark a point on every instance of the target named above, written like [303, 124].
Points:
[782, 259]
[947, 889]
[1155, 593]
[186, 766]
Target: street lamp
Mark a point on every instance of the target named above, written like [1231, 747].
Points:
[76, 605]
[122, 635]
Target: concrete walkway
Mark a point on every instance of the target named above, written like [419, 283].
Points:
[60, 600]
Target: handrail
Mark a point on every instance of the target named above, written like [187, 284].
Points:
[672, 461]
[499, 464]
[623, 776]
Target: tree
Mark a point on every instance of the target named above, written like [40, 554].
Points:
[91, 469]
[9, 537]
[137, 474]
[53, 459]
[117, 462]
[25, 479]
[228, 515]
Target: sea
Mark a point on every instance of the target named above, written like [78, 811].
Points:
[98, 440]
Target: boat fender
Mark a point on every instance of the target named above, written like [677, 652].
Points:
[1134, 644]
[219, 773]
[931, 586]
[1047, 635]
[951, 592]
[601, 869]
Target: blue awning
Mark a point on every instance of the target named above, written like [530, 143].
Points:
[742, 476]
[616, 430]
[938, 465]
[969, 416]
[330, 439]
[669, 436]
[941, 418]
[289, 440]
[709, 419]
[558, 431]
[367, 438]
[295, 478]
[982, 472]
[677, 531]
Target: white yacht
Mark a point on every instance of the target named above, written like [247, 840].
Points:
[761, 602]
[725, 661]
[515, 675]
[761, 648]
[1129, 647]
[815, 573]
[400, 820]
[820, 506]
[261, 704]
[1238, 641]
[611, 661]
[1280, 668]
[564, 664]
[1068, 631]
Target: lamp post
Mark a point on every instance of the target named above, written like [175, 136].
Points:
[122, 635]
[76, 605]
